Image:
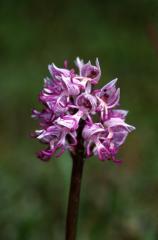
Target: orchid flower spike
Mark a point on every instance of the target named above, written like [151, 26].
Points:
[69, 98]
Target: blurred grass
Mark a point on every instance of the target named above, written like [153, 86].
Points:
[116, 202]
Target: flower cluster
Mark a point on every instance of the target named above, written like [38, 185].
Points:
[67, 98]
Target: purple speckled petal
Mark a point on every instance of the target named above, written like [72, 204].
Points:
[45, 116]
[112, 122]
[67, 121]
[119, 137]
[56, 72]
[114, 99]
[109, 95]
[91, 130]
[90, 71]
[70, 121]
[101, 151]
[117, 113]
[109, 85]
[52, 86]
[86, 102]
[71, 88]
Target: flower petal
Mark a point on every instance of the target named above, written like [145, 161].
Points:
[90, 71]
[113, 122]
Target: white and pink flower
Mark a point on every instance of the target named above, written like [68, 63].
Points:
[70, 97]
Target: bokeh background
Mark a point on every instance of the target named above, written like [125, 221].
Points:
[117, 202]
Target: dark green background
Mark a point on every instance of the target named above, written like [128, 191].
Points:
[117, 202]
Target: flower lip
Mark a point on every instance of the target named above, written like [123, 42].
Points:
[44, 155]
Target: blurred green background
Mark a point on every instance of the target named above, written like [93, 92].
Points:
[117, 202]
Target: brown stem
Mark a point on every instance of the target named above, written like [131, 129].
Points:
[74, 198]
[75, 187]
